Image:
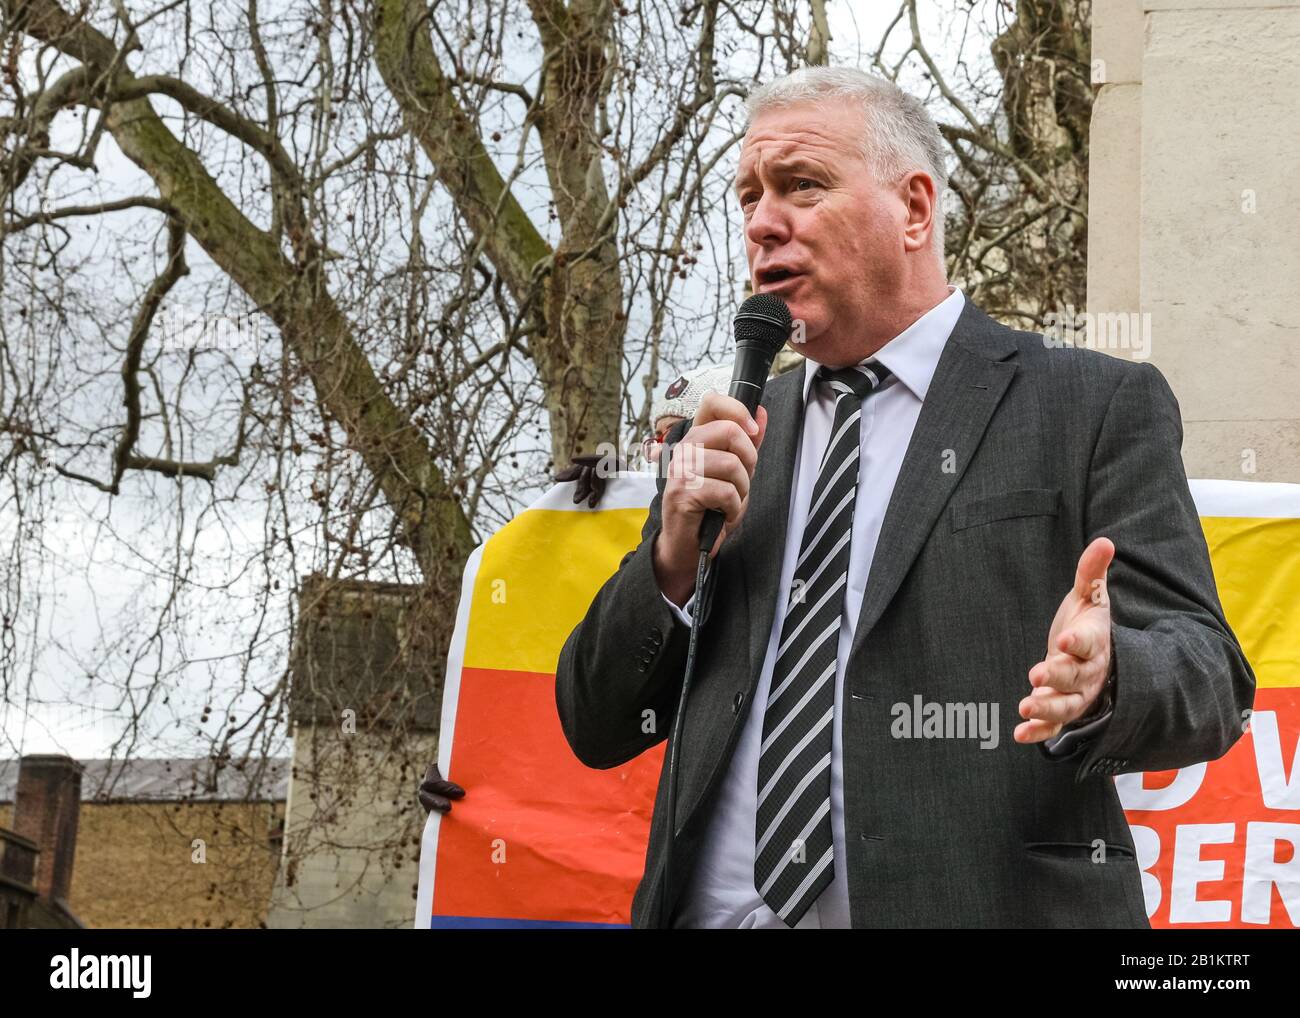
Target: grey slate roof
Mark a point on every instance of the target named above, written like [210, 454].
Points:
[187, 779]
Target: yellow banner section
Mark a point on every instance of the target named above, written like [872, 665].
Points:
[540, 572]
[1257, 570]
[539, 575]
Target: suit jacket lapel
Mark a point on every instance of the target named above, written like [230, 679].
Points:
[972, 375]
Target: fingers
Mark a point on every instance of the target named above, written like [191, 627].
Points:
[435, 785]
[1064, 686]
[710, 468]
[1067, 673]
[1063, 672]
[1090, 576]
[703, 493]
[719, 450]
[1051, 707]
[716, 406]
[761, 417]
[596, 485]
[1035, 731]
[1081, 642]
[583, 488]
[431, 802]
[725, 435]
[699, 463]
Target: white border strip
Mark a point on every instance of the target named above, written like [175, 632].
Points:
[447, 723]
[628, 489]
[1262, 499]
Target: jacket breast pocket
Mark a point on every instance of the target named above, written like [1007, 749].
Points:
[1005, 505]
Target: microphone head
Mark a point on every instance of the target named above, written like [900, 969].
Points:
[763, 322]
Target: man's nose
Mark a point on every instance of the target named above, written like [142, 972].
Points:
[769, 223]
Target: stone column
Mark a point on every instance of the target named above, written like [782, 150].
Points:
[1194, 216]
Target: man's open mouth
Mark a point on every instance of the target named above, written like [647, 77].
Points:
[775, 276]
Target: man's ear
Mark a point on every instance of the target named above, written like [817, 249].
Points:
[918, 196]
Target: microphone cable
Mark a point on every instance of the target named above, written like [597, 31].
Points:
[703, 588]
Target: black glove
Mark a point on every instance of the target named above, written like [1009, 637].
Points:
[591, 471]
[436, 792]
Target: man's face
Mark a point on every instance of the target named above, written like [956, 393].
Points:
[820, 231]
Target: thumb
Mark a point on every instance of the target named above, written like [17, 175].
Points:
[1093, 564]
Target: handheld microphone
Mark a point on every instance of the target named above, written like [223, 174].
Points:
[761, 327]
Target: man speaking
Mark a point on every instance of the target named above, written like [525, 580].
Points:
[961, 583]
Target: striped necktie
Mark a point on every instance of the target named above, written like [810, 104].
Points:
[793, 855]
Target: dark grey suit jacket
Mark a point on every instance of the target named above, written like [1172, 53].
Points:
[1020, 457]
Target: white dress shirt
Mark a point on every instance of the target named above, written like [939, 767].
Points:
[721, 892]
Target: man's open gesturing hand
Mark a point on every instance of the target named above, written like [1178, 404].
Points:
[1069, 679]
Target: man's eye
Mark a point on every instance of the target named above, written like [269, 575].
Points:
[799, 184]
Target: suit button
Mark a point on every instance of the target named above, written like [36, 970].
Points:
[735, 704]
[656, 637]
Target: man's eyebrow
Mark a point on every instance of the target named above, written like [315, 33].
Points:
[788, 164]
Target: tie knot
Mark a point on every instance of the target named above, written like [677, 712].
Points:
[859, 379]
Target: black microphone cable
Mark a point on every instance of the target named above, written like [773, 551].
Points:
[703, 588]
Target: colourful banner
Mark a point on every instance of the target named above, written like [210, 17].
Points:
[1219, 842]
[541, 840]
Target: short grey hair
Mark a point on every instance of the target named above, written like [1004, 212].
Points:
[899, 135]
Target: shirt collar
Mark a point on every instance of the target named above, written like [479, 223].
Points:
[913, 355]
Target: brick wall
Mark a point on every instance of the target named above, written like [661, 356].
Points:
[134, 864]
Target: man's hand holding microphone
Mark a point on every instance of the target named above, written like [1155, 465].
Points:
[711, 468]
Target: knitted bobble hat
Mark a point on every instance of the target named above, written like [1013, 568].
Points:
[682, 397]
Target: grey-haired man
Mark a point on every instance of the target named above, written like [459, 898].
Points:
[939, 522]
